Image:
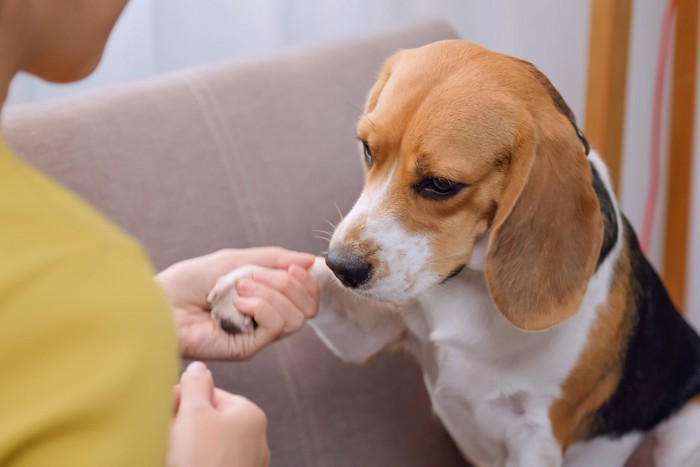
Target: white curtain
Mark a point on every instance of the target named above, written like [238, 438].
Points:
[159, 36]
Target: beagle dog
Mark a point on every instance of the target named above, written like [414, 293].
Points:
[488, 242]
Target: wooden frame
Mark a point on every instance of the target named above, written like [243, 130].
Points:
[678, 190]
[605, 110]
[607, 79]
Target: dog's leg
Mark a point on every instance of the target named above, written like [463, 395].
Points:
[353, 327]
[674, 443]
[530, 445]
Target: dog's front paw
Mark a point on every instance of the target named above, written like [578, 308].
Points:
[322, 273]
[221, 299]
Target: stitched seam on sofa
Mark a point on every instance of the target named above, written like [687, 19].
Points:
[214, 122]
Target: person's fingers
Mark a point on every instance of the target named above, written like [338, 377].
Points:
[196, 386]
[279, 301]
[224, 400]
[270, 324]
[286, 284]
[310, 285]
[190, 281]
[269, 257]
[247, 412]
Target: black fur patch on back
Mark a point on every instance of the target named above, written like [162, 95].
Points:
[661, 365]
[607, 210]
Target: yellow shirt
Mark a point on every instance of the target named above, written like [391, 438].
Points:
[87, 345]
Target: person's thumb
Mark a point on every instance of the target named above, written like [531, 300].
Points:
[196, 386]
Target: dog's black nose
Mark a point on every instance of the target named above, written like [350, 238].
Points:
[348, 269]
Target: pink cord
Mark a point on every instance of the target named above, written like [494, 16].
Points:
[655, 161]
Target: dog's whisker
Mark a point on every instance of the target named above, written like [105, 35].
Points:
[368, 119]
[339, 213]
[359, 110]
[331, 224]
[435, 260]
[322, 238]
[325, 232]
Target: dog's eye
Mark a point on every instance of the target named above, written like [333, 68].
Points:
[437, 188]
[368, 154]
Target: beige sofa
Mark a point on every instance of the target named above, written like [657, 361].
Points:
[237, 155]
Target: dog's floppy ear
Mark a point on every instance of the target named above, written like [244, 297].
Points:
[557, 100]
[547, 231]
[378, 87]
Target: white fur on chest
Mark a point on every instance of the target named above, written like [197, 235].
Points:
[490, 383]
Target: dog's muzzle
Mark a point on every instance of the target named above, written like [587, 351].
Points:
[349, 269]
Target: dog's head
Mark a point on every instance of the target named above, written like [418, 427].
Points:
[461, 144]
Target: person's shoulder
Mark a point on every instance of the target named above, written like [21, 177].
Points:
[59, 252]
[90, 338]
[45, 223]
[97, 292]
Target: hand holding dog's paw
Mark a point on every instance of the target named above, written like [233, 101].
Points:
[222, 298]
[257, 305]
[268, 295]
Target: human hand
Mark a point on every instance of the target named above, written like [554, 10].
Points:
[213, 428]
[280, 300]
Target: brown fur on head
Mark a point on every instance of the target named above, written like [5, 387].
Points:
[495, 127]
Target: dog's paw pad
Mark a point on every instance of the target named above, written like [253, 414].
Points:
[221, 299]
[246, 325]
[231, 320]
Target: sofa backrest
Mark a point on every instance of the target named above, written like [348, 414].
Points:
[221, 156]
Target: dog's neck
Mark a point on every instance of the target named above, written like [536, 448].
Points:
[478, 257]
